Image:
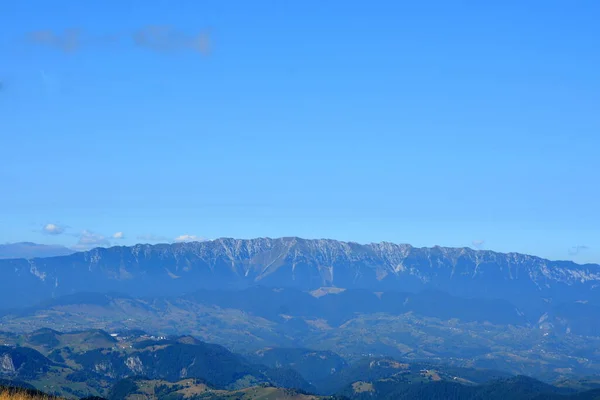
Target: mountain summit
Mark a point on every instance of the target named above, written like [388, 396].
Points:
[226, 263]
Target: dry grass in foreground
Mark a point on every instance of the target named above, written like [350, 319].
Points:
[23, 394]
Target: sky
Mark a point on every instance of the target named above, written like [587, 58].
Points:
[452, 123]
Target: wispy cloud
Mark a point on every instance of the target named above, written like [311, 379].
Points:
[165, 38]
[159, 38]
[89, 240]
[118, 235]
[478, 244]
[575, 250]
[68, 41]
[189, 238]
[53, 229]
[151, 238]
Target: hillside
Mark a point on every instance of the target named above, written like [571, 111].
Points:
[87, 363]
[516, 388]
[138, 388]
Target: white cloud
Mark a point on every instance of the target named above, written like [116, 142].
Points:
[189, 238]
[53, 229]
[118, 235]
[89, 240]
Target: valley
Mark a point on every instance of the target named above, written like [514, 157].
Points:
[132, 365]
[428, 326]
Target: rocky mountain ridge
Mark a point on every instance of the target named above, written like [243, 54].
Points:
[300, 263]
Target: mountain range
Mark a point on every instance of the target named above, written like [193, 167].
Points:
[467, 308]
[169, 269]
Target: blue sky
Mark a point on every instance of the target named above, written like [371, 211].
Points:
[450, 123]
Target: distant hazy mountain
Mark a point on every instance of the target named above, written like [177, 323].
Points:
[32, 250]
[304, 264]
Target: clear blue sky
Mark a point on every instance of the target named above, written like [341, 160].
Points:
[435, 122]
